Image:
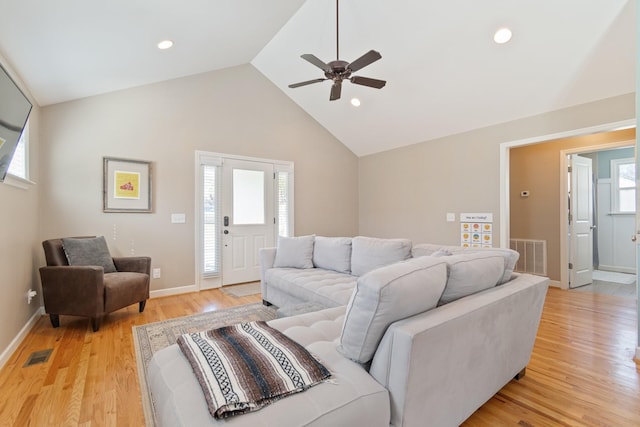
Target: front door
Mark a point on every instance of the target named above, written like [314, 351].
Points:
[248, 219]
[580, 222]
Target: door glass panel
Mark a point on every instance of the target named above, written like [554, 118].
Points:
[248, 197]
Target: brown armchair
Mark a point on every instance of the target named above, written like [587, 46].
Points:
[86, 290]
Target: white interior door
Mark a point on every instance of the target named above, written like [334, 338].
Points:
[580, 222]
[248, 219]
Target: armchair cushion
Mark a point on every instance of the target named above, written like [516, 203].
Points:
[123, 289]
[88, 251]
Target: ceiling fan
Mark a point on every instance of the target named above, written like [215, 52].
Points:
[341, 70]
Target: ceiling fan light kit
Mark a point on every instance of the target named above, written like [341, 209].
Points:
[338, 70]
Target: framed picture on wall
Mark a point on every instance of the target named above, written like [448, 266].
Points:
[126, 185]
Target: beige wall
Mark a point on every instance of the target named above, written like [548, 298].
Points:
[407, 192]
[233, 111]
[19, 244]
[537, 168]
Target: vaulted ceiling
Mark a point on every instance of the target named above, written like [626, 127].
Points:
[445, 74]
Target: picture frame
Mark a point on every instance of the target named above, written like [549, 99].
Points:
[127, 185]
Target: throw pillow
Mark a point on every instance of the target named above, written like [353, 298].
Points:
[88, 251]
[294, 252]
[471, 273]
[332, 253]
[510, 256]
[369, 253]
[442, 252]
[386, 295]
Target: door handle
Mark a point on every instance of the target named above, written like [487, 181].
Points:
[634, 238]
[593, 227]
[226, 231]
[226, 221]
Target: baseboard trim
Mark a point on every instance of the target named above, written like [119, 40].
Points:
[13, 345]
[555, 284]
[617, 269]
[173, 291]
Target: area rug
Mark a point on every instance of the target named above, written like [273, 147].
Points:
[615, 277]
[149, 338]
[242, 290]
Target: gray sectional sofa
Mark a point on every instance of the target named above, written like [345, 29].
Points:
[413, 336]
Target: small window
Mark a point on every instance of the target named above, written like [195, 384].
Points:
[623, 173]
[210, 223]
[19, 162]
[284, 200]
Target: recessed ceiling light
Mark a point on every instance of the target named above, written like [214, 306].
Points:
[165, 44]
[503, 35]
[355, 102]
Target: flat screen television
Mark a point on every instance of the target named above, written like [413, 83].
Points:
[14, 112]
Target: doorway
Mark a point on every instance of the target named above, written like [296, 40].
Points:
[610, 218]
[242, 205]
[537, 192]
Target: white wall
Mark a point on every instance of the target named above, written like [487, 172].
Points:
[19, 243]
[407, 192]
[233, 111]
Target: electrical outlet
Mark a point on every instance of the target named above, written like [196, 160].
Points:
[156, 273]
[30, 295]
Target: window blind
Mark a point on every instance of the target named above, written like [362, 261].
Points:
[210, 220]
[282, 178]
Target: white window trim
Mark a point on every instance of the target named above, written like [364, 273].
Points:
[615, 193]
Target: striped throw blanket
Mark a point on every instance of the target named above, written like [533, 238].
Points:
[244, 367]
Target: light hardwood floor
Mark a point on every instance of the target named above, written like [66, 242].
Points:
[581, 373]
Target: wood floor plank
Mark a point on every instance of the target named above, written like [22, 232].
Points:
[581, 372]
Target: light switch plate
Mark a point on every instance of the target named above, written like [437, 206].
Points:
[451, 217]
[178, 218]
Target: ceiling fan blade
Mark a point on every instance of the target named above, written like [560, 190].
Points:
[308, 82]
[364, 60]
[317, 62]
[336, 90]
[366, 81]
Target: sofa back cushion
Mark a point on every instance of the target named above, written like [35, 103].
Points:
[469, 273]
[510, 256]
[386, 295]
[369, 253]
[294, 252]
[332, 253]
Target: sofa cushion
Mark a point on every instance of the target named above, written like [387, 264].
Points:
[386, 295]
[469, 273]
[315, 285]
[369, 253]
[510, 256]
[294, 252]
[88, 251]
[332, 253]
